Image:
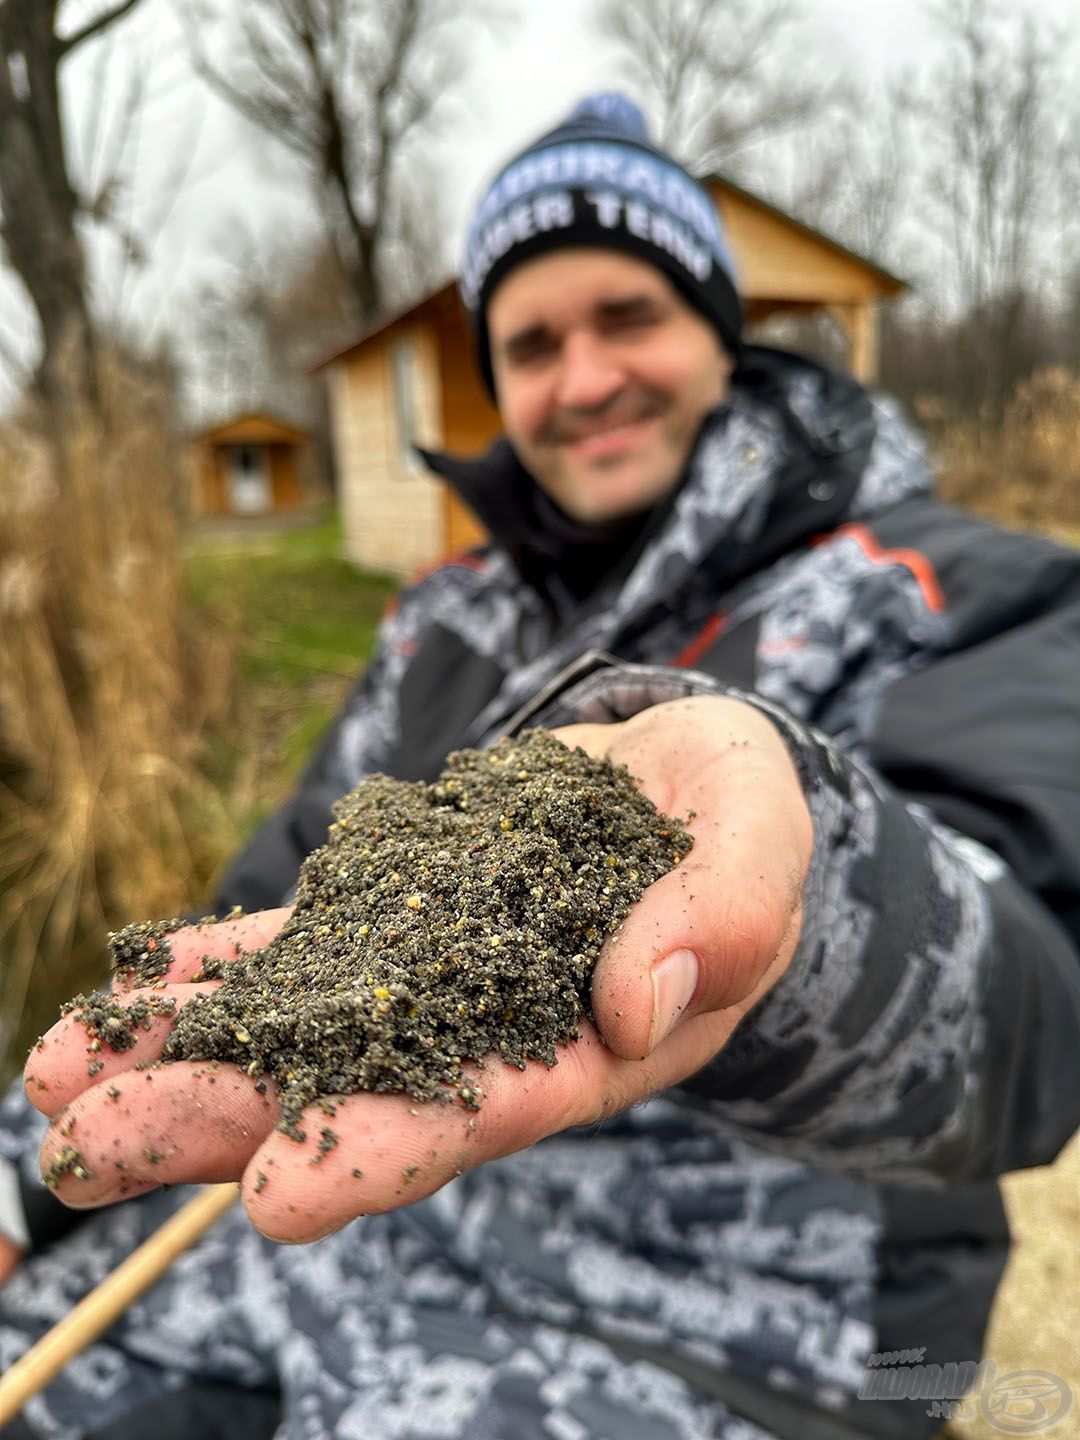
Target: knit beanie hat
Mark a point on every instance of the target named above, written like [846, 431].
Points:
[597, 181]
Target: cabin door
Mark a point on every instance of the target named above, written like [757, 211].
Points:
[250, 490]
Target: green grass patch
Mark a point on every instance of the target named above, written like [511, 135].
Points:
[303, 621]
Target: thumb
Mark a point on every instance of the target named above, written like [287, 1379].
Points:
[704, 938]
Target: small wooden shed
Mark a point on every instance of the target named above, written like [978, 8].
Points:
[412, 378]
[253, 465]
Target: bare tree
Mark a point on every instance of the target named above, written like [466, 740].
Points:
[860, 186]
[998, 122]
[39, 203]
[711, 71]
[256, 331]
[347, 86]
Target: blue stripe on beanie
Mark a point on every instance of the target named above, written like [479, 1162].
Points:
[596, 181]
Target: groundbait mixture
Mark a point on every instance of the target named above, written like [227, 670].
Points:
[440, 923]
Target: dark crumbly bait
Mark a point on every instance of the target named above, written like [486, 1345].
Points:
[440, 923]
[108, 1022]
[68, 1162]
[140, 953]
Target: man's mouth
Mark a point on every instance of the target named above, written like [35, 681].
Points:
[608, 439]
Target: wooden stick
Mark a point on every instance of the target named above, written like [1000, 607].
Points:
[92, 1316]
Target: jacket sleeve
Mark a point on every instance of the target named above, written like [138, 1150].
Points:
[928, 1028]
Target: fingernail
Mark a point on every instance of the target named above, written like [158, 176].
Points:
[674, 980]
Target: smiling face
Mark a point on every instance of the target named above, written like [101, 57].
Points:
[603, 375]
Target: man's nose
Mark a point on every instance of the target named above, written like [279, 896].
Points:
[588, 374]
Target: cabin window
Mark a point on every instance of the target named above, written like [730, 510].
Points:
[403, 362]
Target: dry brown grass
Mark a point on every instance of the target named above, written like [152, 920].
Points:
[1034, 1322]
[1027, 472]
[106, 688]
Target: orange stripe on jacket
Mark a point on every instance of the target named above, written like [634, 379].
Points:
[710, 632]
[918, 564]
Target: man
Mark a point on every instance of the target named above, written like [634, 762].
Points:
[855, 1004]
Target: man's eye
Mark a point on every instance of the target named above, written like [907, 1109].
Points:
[529, 352]
[632, 320]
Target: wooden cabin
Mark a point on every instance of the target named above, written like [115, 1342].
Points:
[413, 379]
[253, 465]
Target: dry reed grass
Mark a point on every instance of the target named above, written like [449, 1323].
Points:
[106, 690]
[1027, 471]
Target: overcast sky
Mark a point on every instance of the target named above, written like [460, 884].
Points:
[239, 183]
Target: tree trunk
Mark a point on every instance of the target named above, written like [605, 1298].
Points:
[38, 206]
[359, 255]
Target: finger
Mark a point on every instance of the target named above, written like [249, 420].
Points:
[181, 1123]
[697, 1039]
[385, 1151]
[704, 935]
[65, 1061]
[227, 940]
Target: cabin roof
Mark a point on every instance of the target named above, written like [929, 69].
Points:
[254, 428]
[882, 281]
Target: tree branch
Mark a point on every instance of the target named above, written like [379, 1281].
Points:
[96, 27]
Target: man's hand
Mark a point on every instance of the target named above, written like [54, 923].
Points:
[704, 944]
